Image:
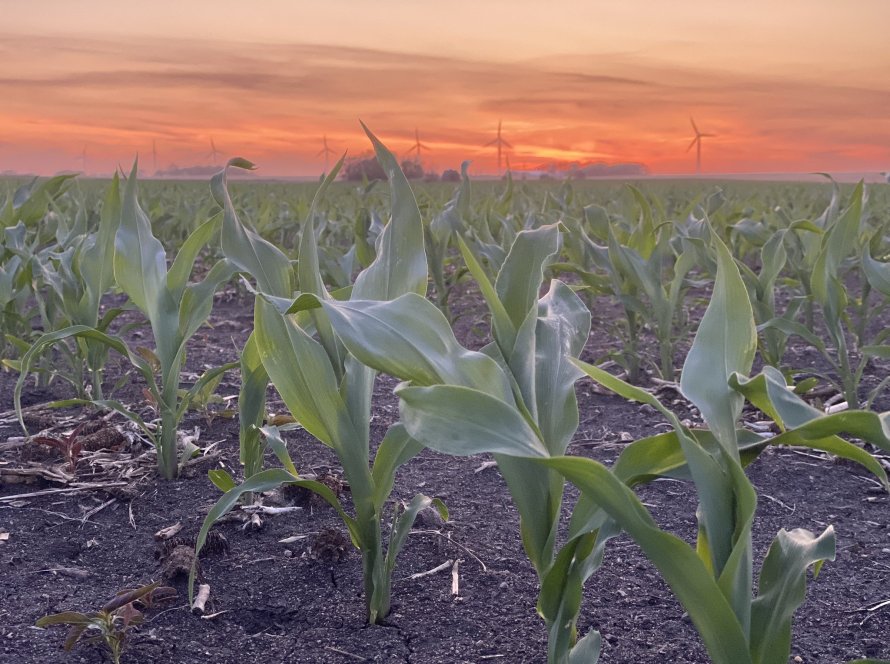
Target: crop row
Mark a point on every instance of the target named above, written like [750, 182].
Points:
[329, 316]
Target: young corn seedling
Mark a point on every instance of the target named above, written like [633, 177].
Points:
[840, 245]
[762, 293]
[175, 310]
[438, 235]
[714, 580]
[326, 389]
[516, 397]
[112, 623]
[644, 271]
[77, 276]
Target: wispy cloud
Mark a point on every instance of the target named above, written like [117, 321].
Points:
[273, 102]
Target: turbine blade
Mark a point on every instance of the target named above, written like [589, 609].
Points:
[506, 144]
[691, 145]
[494, 142]
[694, 126]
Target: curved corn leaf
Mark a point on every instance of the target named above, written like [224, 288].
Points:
[400, 266]
[877, 273]
[724, 344]
[64, 618]
[561, 330]
[262, 260]
[679, 565]
[396, 449]
[264, 480]
[184, 263]
[301, 371]
[309, 272]
[140, 269]
[251, 406]
[409, 338]
[782, 589]
[76, 332]
[463, 421]
[769, 392]
[522, 273]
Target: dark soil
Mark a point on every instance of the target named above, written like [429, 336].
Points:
[273, 602]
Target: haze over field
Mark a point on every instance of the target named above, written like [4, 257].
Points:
[790, 86]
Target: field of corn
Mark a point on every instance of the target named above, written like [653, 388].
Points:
[440, 423]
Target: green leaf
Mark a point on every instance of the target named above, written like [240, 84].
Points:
[409, 338]
[400, 266]
[724, 344]
[793, 327]
[221, 479]
[769, 392]
[75, 332]
[309, 273]
[181, 270]
[301, 372]
[562, 328]
[140, 268]
[587, 649]
[463, 421]
[882, 352]
[262, 260]
[877, 273]
[679, 565]
[504, 329]
[396, 448]
[522, 273]
[782, 589]
[251, 406]
[402, 526]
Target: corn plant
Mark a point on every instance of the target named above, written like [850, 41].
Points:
[517, 394]
[113, 622]
[326, 389]
[839, 246]
[762, 293]
[438, 234]
[175, 310]
[644, 271]
[16, 309]
[27, 219]
[76, 276]
[714, 581]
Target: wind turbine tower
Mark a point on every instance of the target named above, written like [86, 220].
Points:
[154, 156]
[83, 159]
[214, 153]
[501, 144]
[696, 141]
[325, 151]
[418, 147]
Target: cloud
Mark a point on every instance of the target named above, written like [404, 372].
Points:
[275, 99]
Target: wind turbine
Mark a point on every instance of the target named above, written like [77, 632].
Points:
[214, 153]
[154, 155]
[325, 151]
[417, 147]
[697, 143]
[501, 144]
[83, 159]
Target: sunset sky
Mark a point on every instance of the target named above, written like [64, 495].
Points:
[786, 85]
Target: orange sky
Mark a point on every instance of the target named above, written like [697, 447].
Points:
[787, 85]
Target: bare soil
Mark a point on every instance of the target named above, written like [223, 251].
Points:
[274, 602]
